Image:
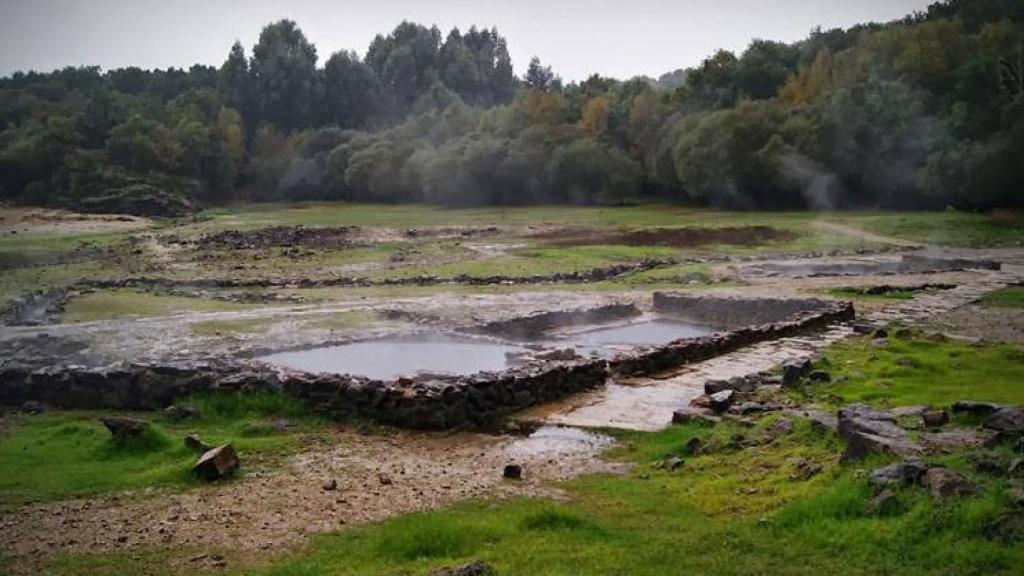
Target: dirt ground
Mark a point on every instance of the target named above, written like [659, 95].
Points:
[377, 477]
[26, 220]
[676, 237]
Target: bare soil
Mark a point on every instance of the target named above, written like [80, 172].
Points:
[673, 237]
[28, 220]
[377, 477]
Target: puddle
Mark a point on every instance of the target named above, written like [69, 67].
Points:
[391, 358]
[558, 441]
[606, 341]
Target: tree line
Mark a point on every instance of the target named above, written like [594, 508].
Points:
[925, 112]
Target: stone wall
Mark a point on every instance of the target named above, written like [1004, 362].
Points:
[733, 311]
[426, 403]
[534, 326]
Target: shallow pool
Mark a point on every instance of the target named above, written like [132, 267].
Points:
[388, 359]
[650, 333]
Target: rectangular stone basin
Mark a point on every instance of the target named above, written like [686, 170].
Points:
[606, 341]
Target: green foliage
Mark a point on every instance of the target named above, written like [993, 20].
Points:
[1009, 297]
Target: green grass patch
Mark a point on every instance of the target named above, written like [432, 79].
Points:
[52, 456]
[854, 292]
[947, 228]
[1009, 297]
[130, 303]
[222, 327]
[911, 370]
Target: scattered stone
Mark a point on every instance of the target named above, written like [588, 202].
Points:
[805, 470]
[975, 408]
[686, 416]
[880, 333]
[793, 370]
[935, 419]
[755, 408]
[219, 462]
[123, 428]
[882, 502]
[1015, 496]
[988, 464]
[721, 401]
[475, 568]
[1016, 468]
[953, 440]
[819, 376]
[33, 407]
[821, 420]
[1009, 420]
[194, 443]
[944, 483]
[513, 472]
[1007, 528]
[1019, 445]
[866, 430]
[899, 474]
[384, 479]
[782, 426]
[181, 412]
[672, 463]
[330, 485]
[693, 446]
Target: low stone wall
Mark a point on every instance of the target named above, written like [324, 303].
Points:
[426, 403]
[697, 349]
[533, 326]
[733, 311]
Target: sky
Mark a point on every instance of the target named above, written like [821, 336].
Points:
[576, 37]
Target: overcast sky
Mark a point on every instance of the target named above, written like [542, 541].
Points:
[577, 37]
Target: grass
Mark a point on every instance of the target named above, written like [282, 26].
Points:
[947, 228]
[732, 509]
[56, 456]
[221, 327]
[130, 303]
[911, 371]
[1009, 297]
[729, 512]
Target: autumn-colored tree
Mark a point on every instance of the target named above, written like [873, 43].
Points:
[595, 116]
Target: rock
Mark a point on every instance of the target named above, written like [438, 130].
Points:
[384, 479]
[822, 420]
[475, 568]
[194, 443]
[219, 462]
[880, 333]
[944, 483]
[1016, 468]
[1007, 528]
[899, 474]
[721, 401]
[686, 416]
[330, 485]
[805, 470]
[672, 463]
[819, 376]
[692, 446]
[513, 472]
[975, 408]
[1008, 420]
[936, 418]
[33, 407]
[866, 430]
[123, 428]
[882, 503]
[988, 464]
[1018, 446]
[181, 412]
[782, 426]
[793, 370]
[952, 440]
[755, 408]
[1014, 496]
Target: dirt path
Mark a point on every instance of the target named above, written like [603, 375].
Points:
[853, 231]
[377, 477]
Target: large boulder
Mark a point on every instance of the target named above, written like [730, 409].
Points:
[720, 401]
[124, 428]
[217, 463]
[1008, 420]
[944, 483]
[866, 431]
[902, 473]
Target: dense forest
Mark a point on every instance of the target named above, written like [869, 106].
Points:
[925, 112]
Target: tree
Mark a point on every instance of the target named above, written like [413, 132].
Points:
[351, 91]
[764, 67]
[234, 82]
[541, 77]
[594, 120]
[141, 144]
[283, 73]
